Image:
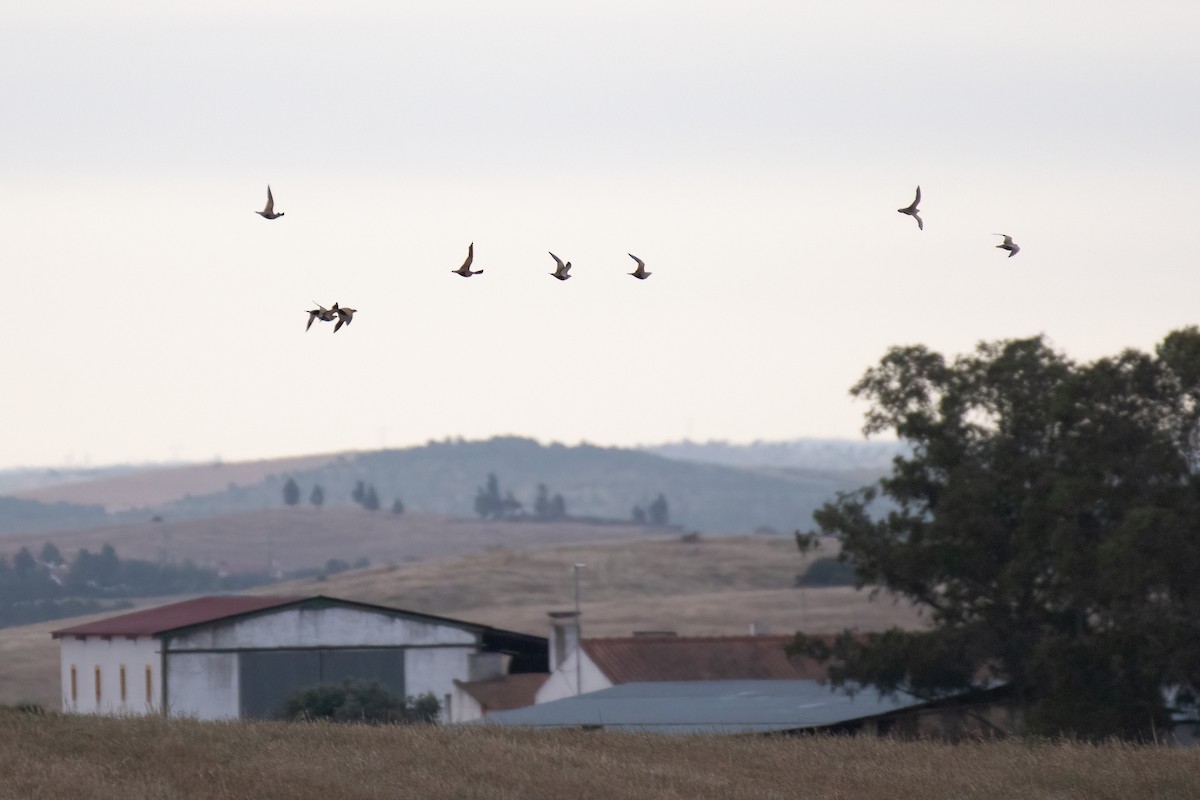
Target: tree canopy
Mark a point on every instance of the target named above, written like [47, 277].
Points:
[1048, 521]
[291, 492]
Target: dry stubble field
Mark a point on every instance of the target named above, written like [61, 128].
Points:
[59, 758]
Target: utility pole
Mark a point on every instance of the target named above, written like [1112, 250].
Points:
[578, 634]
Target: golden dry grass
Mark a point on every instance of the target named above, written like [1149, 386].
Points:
[717, 586]
[59, 757]
[306, 537]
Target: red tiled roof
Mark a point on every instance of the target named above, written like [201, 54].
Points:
[716, 658]
[153, 621]
[506, 692]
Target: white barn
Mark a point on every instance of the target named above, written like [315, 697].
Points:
[235, 657]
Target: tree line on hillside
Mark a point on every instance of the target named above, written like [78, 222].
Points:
[363, 494]
[1047, 519]
[490, 503]
[19, 515]
[47, 586]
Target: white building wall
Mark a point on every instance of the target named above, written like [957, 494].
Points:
[561, 682]
[320, 627]
[463, 707]
[434, 669]
[203, 685]
[109, 655]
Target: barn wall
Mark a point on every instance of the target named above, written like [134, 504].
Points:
[435, 670]
[202, 685]
[320, 627]
[110, 654]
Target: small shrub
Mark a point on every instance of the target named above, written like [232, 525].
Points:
[360, 701]
[828, 571]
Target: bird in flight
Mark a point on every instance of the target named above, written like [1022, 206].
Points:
[465, 269]
[321, 313]
[562, 269]
[639, 273]
[269, 211]
[1008, 244]
[912, 210]
[345, 316]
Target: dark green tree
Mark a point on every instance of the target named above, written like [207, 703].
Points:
[24, 563]
[541, 503]
[360, 492]
[558, 507]
[291, 492]
[317, 496]
[50, 555]
[1048, 521]
[371, 499]
[397, 507]
[658, 513]
[488, 503]
[638, 515]
[510, 506]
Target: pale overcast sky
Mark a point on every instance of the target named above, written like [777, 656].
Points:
[753, 154]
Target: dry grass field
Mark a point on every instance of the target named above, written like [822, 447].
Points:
[715, 586]
[305, 537]
[57, 757]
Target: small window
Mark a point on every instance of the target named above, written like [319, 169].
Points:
[74, 684]
[122, 683]
[97, 683]
[149, 686]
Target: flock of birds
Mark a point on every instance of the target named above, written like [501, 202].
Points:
[562, 269]
[1008, 244]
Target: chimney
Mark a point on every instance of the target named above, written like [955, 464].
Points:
[564, 636]
[485, 666]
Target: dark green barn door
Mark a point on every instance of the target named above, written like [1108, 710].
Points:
[269, 677]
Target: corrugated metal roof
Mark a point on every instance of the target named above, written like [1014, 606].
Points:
[203, 610]
[197, 611]
[707, 707]
[708, 658]
[506, 691]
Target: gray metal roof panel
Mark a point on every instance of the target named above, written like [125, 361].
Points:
[708, 706]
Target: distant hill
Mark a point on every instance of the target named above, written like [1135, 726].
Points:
[764, 485]
[147, 486]
[24, 479]
[818, 454]
[596, 482]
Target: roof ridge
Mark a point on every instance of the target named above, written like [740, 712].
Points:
[718, 638]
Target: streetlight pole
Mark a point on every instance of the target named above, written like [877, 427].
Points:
[578, 634]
